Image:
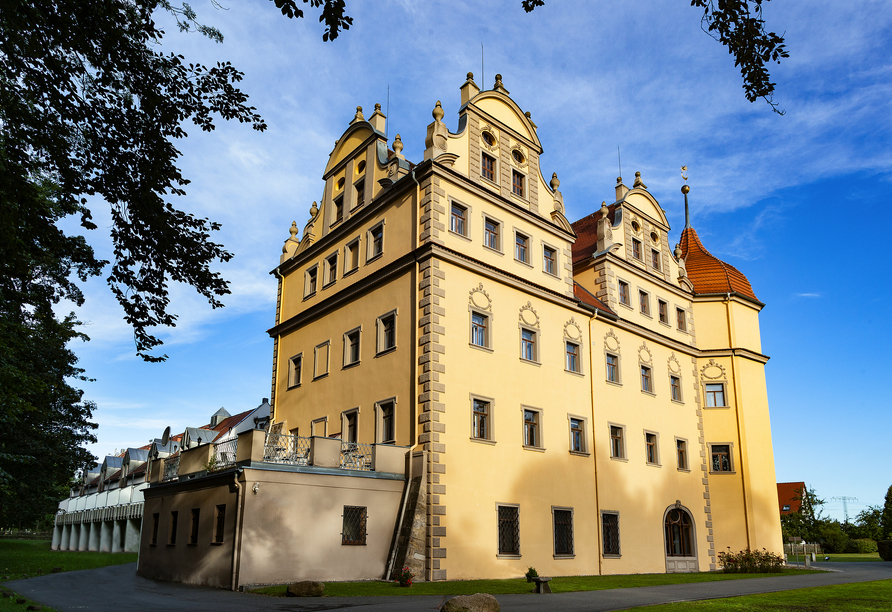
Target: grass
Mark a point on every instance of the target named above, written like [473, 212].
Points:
[29, 558]
[859, 597]
[564, 584]
[848, 557]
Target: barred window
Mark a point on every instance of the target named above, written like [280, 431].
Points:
[610, 533]
[219, 523]
[509, 530]
[155, 521]
[353, 533]
[193, 527]
[563, 532]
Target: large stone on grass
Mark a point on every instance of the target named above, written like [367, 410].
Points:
[307, 588]
[478, 602]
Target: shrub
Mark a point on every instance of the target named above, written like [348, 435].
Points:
[404, 577]
[861, 545]
[750, 561]
[531, 573]
[833, 539]
[885, 549]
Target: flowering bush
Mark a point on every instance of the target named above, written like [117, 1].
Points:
[750, 561]
[404, 577]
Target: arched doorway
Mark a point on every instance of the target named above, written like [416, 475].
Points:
[681, 541]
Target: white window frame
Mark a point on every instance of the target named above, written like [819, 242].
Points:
[468, 211]
[380, 349]
[370, 255]
[636, 242]
[650, 378]
[536, 342]
[624, 456]
[490, 418]
[317, 374]
[320, 422]
[658, 267]
[540, 428]
[345, 425]
[379, 420]
[308, 273]
[346, 361]
[295, 381]
[706, 393]
[487, 336]
[584, 451]
[348, 248]
[330, 270]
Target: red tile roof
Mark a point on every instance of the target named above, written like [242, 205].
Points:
[786, 496]
[708, 273]
[585, 296]
[587, 234]
[228, 423]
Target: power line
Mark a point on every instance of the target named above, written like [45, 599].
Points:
[845, 504]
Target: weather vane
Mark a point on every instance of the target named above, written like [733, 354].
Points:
[683, 175]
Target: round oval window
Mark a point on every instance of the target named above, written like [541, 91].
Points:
[360, 167]
[517, 155]
[489, 139]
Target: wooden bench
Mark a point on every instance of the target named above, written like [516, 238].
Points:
[542, 584]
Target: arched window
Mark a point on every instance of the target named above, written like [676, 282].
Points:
[679, 542]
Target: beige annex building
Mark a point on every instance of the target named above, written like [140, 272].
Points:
[466, 383]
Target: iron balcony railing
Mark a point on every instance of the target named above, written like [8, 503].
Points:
[356, 456]
[287, 449]
[171, 468]
[225, 454]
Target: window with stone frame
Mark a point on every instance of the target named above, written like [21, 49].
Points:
[651, 448]
[617, 442]
[644, 302]
[681, 451]
[715, 395]
[612, 368]
[295, 370]
[481, 419]
[529, 349]
[458, 219]
[354, 526]
[219, 523]
[562, 523]
[663, 309]
[521, 247]
[509, 530]
[655, 259]
[720, 458]
[549, 260]
[330, 266]
[675, 388]
[636, 248]
[480, 329]
[647, 384]
[488, 167]
[491, 234]
[577, 435]
[624, 297]
[681, 318]
[518, 182]
[610, 533]
[532, 428]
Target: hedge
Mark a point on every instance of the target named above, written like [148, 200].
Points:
[885, 549]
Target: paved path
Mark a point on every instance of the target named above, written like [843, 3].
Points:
[117, 587]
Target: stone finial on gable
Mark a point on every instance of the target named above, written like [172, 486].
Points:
[437, 134]
[469, 89]
[638, 184]
[529, 117]
[558, 196]
[309, 236]
[378, 119]
[499, 86]
[605, 234]
[359, 116]
[291, 243]
[621, 189]
[398, 147]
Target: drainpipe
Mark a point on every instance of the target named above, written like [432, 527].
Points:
[236, 539]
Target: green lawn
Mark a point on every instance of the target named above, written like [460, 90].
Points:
[844, 557]
[860, 597]
[30, 558]
[565, 584]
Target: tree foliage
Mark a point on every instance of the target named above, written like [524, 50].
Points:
[887, 516]
[808, 522]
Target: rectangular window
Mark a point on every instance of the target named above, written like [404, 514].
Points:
[655, 259]
[650, 446]
[624, 293]
[351, 347]
[320, 359]
[351, 257]
[663, 307]
[219, 523]
[354, 527]
[549, 257]
[156, 518]
[681, 319]
[360, 193]
[479, 329]
[480, 420]
[349, 426]
[517, 180]
[617, 443]
[331, 269]
[458, 220]
[193, 526]
[610, 533]
[387, 431]
[375, 242]
[572, 350]
[295, 369]
[174, 515]
[338, 209]
[563, 532]
[386, 332]
[636, 248]
[531, 428]
[491, 234]
[675, 388]
[577, 435]
[644, 302]
[612, 368]
[488, 167]
[310, 281]
[528, 345]
[721, 457]
[715, 395]
[681, 449]
[646, 382]
[319, 427]
[509, 530]
[521, 247]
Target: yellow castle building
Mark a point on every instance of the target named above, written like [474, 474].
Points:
[466, 383]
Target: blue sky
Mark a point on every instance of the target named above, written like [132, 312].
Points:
[799, 203]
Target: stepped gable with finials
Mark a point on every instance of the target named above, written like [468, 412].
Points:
[587, 234]
[708, 273]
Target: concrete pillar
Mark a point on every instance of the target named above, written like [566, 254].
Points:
[57, 536]
[66, 534]
[119, 529]
[93, 544]
[105, 536]
[84, 536]
[131, 539]
[73, 537]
